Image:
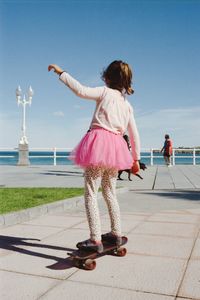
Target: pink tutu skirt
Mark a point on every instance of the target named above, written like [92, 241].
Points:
[102, 148]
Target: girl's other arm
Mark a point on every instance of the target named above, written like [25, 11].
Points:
[134, 137]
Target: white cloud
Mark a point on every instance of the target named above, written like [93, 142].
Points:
[58, 114]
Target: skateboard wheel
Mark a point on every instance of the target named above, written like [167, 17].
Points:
[121, 252]
[90, 264]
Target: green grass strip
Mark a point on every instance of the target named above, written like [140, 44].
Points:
[14, 199]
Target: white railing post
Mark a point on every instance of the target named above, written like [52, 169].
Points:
[151, 157]
[54, 156]
[173, 157]
[194, 156]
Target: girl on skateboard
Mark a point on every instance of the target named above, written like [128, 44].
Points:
[103, 150]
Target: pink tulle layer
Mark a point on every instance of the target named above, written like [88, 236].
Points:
[100, 147]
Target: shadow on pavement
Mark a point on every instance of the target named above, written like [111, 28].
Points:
[13, 244]
[64, 173]
[176, 194]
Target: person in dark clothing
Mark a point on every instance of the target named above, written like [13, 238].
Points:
[167, 150]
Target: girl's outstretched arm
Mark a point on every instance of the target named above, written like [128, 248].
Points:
[76, 87]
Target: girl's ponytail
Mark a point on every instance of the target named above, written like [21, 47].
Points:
[127, 78]
[118, 75]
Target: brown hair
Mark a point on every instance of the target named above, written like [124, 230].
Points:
[118, 75]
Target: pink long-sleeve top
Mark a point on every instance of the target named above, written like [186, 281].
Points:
[113, 112]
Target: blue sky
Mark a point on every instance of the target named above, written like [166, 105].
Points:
[159, 39]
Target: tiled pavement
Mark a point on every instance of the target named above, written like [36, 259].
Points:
[163, 259]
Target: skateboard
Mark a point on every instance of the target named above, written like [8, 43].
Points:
[85, 259]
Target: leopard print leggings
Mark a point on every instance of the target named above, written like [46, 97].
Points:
[94, 176]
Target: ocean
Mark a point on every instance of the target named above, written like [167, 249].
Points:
[46, 158]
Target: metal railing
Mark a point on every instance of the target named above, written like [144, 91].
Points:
[54, 156]
[55, 153]
[150, 154]
[175, 151]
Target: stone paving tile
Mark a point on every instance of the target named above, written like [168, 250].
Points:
[130, 217]
[167, 229]
[173, 211]
[38, 261]
[67, 238]
[21, 287]
[195, 211]
[160, 246]
[127, 225]
[71, 213]
[64, 221]
[190, 287]
[180, 181]
[1, 221]
[77, 290]
[191, 174]
[196, 250]
[24, 231]
[176, 218]
[184, 298]
[135, 272]
[3, 252]
[135, 213]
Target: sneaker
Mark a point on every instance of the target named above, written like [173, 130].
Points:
[112, 238]
[90, 245]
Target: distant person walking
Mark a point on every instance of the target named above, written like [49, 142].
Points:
[167, 150]
[103, 150]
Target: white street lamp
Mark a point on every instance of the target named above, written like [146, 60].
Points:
[23, 101]
[23, 159]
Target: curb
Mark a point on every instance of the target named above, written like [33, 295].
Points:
[37, 211]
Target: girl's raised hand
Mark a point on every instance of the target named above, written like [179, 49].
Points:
[55, 68]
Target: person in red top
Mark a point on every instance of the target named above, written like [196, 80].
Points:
[167, 150]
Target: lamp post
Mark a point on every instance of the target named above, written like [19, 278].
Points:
[23, 143]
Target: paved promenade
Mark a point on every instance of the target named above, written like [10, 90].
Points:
[160, 216]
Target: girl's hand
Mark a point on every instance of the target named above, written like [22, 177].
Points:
[136, 167]
[56, 69]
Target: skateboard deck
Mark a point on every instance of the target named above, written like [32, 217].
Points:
[85, 259]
